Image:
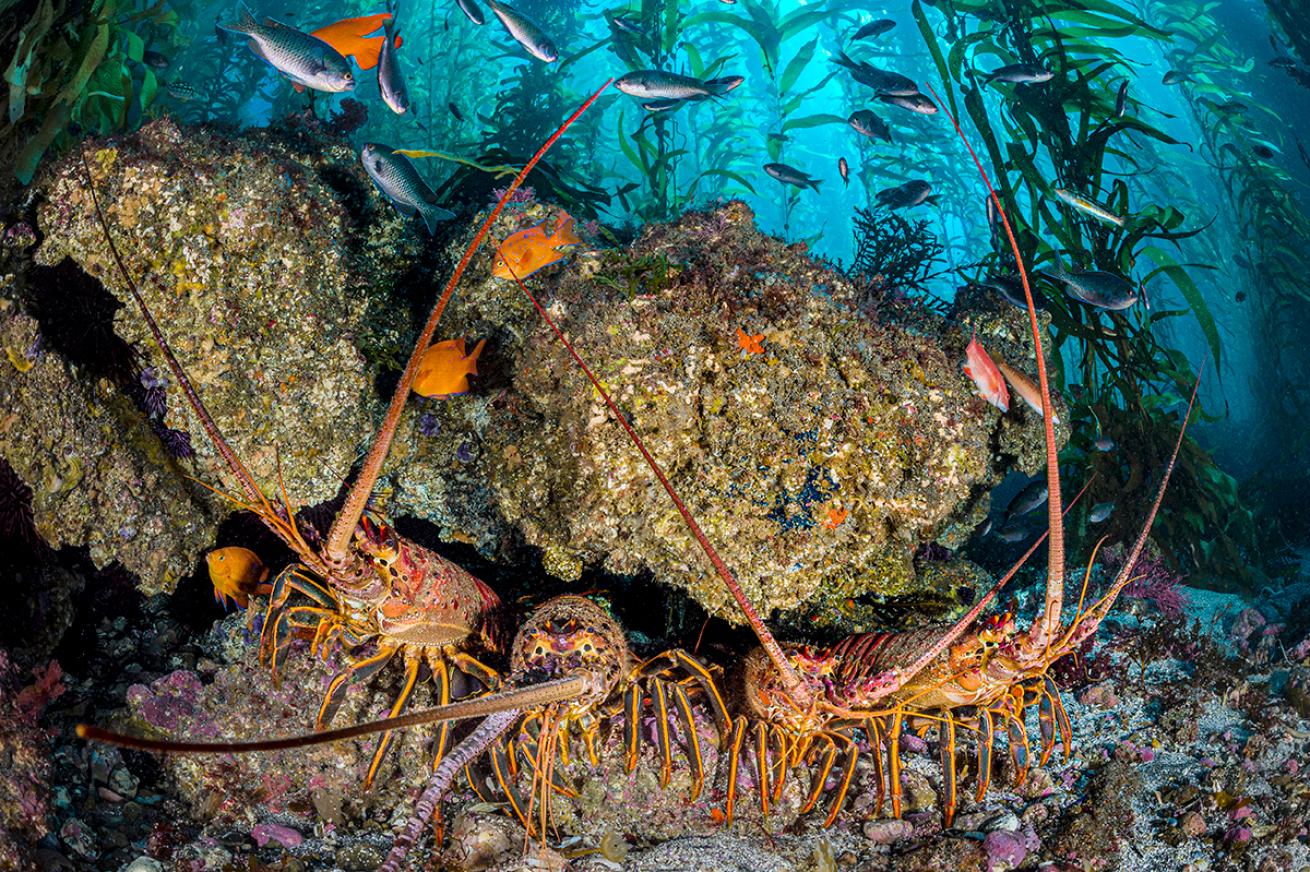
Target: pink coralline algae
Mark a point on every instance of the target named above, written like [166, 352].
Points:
[1007, 850]
[523, 195]
[1153, 581]
[24, 777]
[168, 701]
[284, 836]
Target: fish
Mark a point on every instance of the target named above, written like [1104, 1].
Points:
[659, 85]
[1263, 151]
[1089, 206]
[1174, 77]
[157, 61]
[527, 251]
[399, 181]
[627, 25]
[1121, 100]
[722, 84]
[789, 175]
[874, 29]
[350, 37]
[301, 57]
[1103, 290]
[236, 573]
[986, 377]
[472, 11]
[391, 79]
[1283, 62]
[844, 170]
[1025, 388]
[912, 193]
[1100, 512]
[444, 370]
[1012, 533]
[984, 528]
[1032, 497]
[1011, 289]
[454, 110]
[884, 82]
[917, 103]
[1019, 74]
[182, 90]
[524, 31]
[1104, 444]
[866, 123]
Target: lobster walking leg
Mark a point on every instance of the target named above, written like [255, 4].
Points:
[735, 742]
[362, 669]
[847, 774]
[384, 741]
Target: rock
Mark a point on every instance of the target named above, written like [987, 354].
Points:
[1101, 695]
[1192, 824]
[360, 858]
[1298, 689]
[888, 832]
[144, 864]
[481, 841]
[264, 254]
[816, 467]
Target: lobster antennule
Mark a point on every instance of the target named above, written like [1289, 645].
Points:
[1050, 618]
[215, 435]
[793, 686]
[344, 526]
[556, 690]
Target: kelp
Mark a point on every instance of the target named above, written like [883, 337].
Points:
[82, 64]
[1123, 375]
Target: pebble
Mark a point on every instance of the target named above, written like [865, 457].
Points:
[144, 864]
[1006, 821]
[359, 858]
[123, 782]
[887, 832]
[79, 838]
[1192, 824]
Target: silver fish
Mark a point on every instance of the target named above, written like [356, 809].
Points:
[659, 85]
[868, 124]
[1174, 77]
[391, 81]
[1100, 512]
[1104, 443]
[1012, 533]
[874, 28]
[525, 31]
[1020, 74]
[882, 81]
[1011, 289]
[789, 175]
[844, 170]
[1103, 290]
[304, 59]
[1031, 498]
[472, 11]
[627, 25]
[662, 105]
[918, 103]
[1121, 100]
[397, 178]
[1089, 206]
[985, 528]
[912, 193]
[184, 91]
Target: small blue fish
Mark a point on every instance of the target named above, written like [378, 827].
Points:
[1100, 512]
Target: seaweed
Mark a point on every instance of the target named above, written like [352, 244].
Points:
[893, 252]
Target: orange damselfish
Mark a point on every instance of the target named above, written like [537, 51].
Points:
[530, 250]
[444, 370]
[350, 37]
[236, 573]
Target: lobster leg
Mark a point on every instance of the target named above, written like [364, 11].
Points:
[844, 785]
[734, 760]
[289, 621]
[874, 732]
[467, 663]
[384, 741]
[783, 764]
[703, 677]
[632, 700]
[661, 702]
[1061, 716]
[693, 741]
[500, 768]
[986, 745]
[947, 750]
[363, 669]
[1018, 734]
[894, 762]
[762, 764]
[441, 677]
[829, 758]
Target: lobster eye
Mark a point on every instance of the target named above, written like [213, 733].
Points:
[539, 651]
[587, 647]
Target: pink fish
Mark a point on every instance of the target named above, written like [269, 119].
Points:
[979, 367]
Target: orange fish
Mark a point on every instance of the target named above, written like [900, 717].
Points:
[350, 37]
[236, 573]
[751, 344]
[530, 250]
[979, 367]
[445, 369]
[1025, 388]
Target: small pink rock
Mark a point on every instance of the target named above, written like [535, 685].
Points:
[1101, 695]
[887, 832]
[284, 836]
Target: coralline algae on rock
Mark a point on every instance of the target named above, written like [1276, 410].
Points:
[818, 452]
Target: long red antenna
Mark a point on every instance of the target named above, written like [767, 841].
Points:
[1050, 619]
[343, 527]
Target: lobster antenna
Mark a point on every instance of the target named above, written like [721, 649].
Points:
[1050, 618]
[353, 508]
[206, 420]
[555, 690]
[796, 689]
